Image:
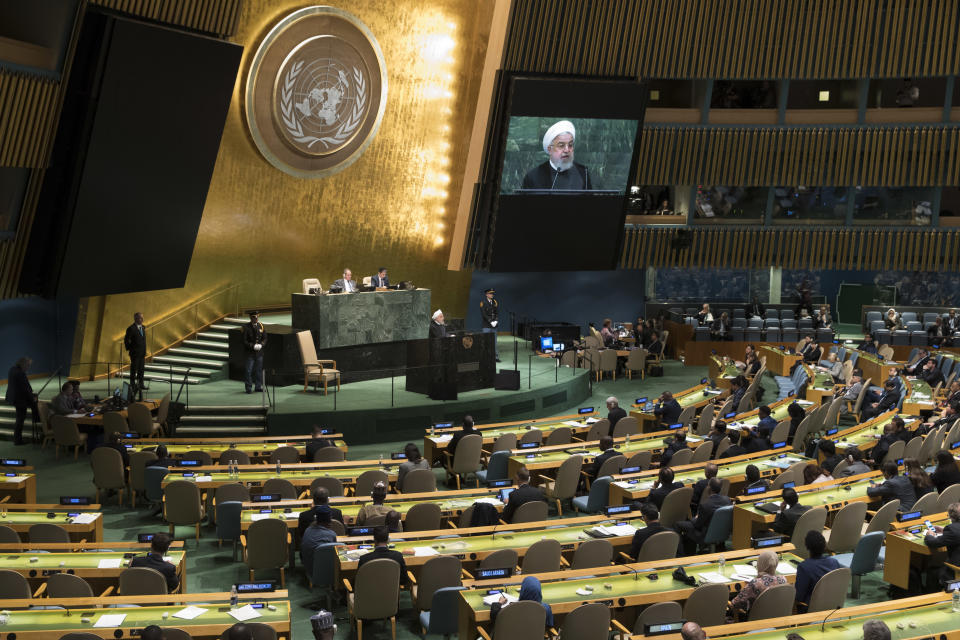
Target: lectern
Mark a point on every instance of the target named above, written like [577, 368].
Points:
[443, 367]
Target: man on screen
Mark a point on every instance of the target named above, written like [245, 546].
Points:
[559, 172]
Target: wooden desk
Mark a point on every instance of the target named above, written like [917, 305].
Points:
[779, 362]
[906, 548]
[20, 517]
[301, 474]
[919, 397]
[630, 588]
[821, 385]
[721, 370]
[864, 436]
[52, 624]
[748, 519]
[435, 442]
[96, 419]
[257, 451]
[20, 487]
[873, 366]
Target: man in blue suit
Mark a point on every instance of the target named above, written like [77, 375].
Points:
[888, 400]
[767, 423]
[380, 280]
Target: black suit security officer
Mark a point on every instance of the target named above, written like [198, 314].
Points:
[254, 339]
[135, 342]
[490, 317]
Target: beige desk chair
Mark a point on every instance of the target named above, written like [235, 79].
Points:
[522, 620]
[266, 547]
[565, 486]
[182, 506]
[285, 455]
[534, 511]
[543, 556]
[419, 481]
[48, 532]
[284, 487]
[108, 472]
[311, 283]
[329, 454]
[437, 573]
[587, 622]
[707, 605]
[774, 602]
[659, 546]
[466, 460]
[830, 592]
[374, 594]
[676, 506]
[67, 434]
[592, 553]
[141, 581]
[423, 516]
[368, 480]
[315, 370]
[141, 421]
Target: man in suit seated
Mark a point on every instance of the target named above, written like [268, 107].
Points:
[655, 348]
[718, 433]
[894, 486]
[345, 283]
[667, 410]
[738, 388]
[709, 471]
[880, 449]
[931, 373]
[855, 463]
[154, 560]
[790, 512]
[868, 345]
[606, 446]
[651, 517]
[736, 447]
[887, 401]
[321, 498]
[692, 533]
[752, 442]
[614, 412]
[917, 365]
[465, 430]
[381, 279]
[752, 473]
[949, 537]
[767, 423]
[381, 549]
[811, 351]
[317, 442]
[813, 568]
[755, 309]
[938, 334]
[853, 391]
[662, 487]
[677, 443]
[522, 494]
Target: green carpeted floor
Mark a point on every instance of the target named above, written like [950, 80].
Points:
[210, 568]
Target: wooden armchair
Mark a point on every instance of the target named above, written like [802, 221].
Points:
[323, 371]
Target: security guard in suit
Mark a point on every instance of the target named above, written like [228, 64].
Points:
[489, 315]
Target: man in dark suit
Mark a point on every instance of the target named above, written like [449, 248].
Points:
[662, 487]
[606, 446]
[888, 400]
[931, 373]
[709, 471]
[868, 345]
[113, 442]
[949, 537]
[346, 283]
[381, 539]
[381, 279]
[813, 568]
[790, 512]
[490, 317]
[465, 430]
[614, 412]
[883, 444]
[522, 494]
[811, 351]
[655, 348]
[667, 410]
[693, 533]
[914, 369]
[437, 328]
[254, 340]
[651, 517]
[317, 442]
[135, 342]
[321, 497]
[895, 486]
[154, 560]
[737, 441]
[677, 443]
[752, 442]
[717, 434]
[767, 423]
[20, 395]
[738, 389]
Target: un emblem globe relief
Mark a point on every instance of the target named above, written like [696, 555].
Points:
[316, 92]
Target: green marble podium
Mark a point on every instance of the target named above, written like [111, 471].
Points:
[348, 319]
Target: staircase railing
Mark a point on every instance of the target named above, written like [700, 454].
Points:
[183, 324]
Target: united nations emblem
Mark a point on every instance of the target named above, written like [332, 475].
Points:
[316, 92]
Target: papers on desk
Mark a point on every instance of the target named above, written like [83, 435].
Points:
[642, 486]
[572, 423]
[745, 570]
[110, 563]
[444, 438]
[786, 569]
[714, 578]
[492, 501]
[425, 551]
[255, 517]
[712, 392]
[244, 613]
[85, 518]
[75, 415]
[110, 620]
[592, 420]
[495, 597]
[804, 403]
[203, 479]
[189, 613]
[610, 531]
[843, 444]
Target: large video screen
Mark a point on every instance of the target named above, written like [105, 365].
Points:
[551, 156]
[558, 168]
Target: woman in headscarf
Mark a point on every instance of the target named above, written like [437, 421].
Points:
[529, 590]
[892, 320]
[766, 577]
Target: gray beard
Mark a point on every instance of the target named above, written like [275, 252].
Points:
[563, 165]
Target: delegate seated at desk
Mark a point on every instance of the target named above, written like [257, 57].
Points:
[381, 279]
[154, 560]
[346, 283]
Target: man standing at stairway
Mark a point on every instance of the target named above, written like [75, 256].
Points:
[135, 342]
[254, 339]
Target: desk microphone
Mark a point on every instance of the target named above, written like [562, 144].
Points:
[555, 176]
[824, 623]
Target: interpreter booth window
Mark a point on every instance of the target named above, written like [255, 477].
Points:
[901, 93]
[676, 94]
[822, 94]
[744, 94]
[950, 207]
[798, 205]
[894, 206]
[651, 200]
[719, 204]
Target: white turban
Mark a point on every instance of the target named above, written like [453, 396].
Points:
[436, 313]
[564, 126]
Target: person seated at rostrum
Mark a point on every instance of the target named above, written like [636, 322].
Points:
[608, 451]
[466, 430]
[381, 549]
[753, 479]
[667, 409]
[677, 443]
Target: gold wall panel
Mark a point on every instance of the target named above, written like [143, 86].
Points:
[793, 249]
[28, 109]
[889, 157]
[265, 230]
[735, 38]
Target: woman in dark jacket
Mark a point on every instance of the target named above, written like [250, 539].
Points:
[947, 473]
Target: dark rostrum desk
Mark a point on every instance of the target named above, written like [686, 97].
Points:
[443, 367]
